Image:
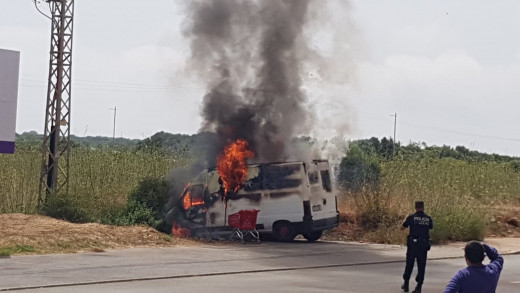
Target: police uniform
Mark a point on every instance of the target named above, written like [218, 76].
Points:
[418, 244]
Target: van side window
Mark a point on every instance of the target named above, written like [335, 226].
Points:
[313, 177]
[197, 194]
[254, 183]
[325, 180]
[275, 177]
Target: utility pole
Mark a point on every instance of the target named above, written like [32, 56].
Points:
[56, 139]
[114, 131]
[395, 126]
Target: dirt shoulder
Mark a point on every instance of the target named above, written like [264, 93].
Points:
[36, 234]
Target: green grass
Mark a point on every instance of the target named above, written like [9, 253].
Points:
[17, 249]
[166, 237]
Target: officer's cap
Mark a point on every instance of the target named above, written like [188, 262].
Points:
[419, 204]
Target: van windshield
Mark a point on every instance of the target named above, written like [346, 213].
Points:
[253, 180]
[263, 177]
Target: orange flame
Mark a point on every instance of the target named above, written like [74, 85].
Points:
[180, 232]
[189, 201]
[231, 164]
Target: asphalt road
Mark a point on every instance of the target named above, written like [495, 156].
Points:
[268, 267]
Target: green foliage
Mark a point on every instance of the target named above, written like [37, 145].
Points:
[64, 207]
[143, 206]
[76, 141]
[17, 249]
[138, 214]
[358, 170]
[383, 149]
[186, 145]
[152, 193]
[515, 165]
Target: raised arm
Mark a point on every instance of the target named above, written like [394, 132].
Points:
[406, 223]
[497, 261]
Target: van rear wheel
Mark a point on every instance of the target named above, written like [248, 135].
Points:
[313, 236]
[283, 231]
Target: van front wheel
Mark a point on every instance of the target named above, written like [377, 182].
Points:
[283, 231]
[313, 236]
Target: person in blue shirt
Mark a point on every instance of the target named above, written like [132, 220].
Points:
[417, 244]
[477, 277]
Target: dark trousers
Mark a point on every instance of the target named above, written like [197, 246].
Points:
[420, 253]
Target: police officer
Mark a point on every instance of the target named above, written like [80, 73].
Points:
[418, 244]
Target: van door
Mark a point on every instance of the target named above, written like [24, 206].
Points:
[323, 198]
[330, 209]
[216, 208]
[316, 191]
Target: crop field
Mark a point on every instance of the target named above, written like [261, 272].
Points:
[100, 179]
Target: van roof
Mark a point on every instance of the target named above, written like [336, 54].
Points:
[277, 163]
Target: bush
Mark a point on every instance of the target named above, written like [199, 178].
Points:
[143, 206]
[136, 213]
[460, 219]
[64, 208]
[358, 170]
[376, 210]
[152, 193]
[515, 165]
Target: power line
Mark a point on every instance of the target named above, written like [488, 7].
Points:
[422, 126]
[124, 89]
[107, 86]
[36, 2]
[98, 82]
[461, 132]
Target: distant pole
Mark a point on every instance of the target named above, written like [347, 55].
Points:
[114, 129]
[395, 126]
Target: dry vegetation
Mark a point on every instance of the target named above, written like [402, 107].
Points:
[504, 222]
[25, 234]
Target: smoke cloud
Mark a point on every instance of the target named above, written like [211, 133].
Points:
[250, 54]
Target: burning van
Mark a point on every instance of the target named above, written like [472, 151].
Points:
[293, 198]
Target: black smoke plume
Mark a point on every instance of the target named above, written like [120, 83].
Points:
[250, 55]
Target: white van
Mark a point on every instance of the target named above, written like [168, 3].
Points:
[293, 198]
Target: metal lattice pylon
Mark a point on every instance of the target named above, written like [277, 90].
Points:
[56, 140]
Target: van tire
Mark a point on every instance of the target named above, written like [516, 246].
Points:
[313, 236]
[283, 231]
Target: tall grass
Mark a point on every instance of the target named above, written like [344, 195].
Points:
[100, 179]
[19, 177]
[458, 195]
